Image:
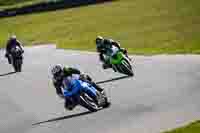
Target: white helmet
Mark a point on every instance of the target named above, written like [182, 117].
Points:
[56, 69]
[99, 40]
[13, 37]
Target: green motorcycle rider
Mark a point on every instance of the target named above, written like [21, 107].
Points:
[106, 49]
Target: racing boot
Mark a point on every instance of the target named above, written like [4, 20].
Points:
[69, 104]
[106, 66]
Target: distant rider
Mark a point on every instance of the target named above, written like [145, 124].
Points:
[108, 47]
[12, 43]
[59, 73]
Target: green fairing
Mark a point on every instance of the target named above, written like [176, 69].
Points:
[117, 60]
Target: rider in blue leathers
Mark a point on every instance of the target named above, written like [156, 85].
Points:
[60, 72]
[68, 84]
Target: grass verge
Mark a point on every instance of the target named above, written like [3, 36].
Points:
[191, 128]
[143, 27]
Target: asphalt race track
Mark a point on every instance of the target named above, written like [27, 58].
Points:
[163, 94]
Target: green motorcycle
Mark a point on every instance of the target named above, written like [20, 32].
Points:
[121, 64]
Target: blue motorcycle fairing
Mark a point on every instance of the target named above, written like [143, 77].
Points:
[75, 86]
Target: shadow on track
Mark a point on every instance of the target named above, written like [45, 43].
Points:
[6, 74]
[63, 118]
[113, 79]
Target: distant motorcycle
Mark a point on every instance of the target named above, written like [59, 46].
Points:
[86, 101]
[120, 63]
[16, 56]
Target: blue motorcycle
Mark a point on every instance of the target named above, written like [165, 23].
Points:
[78, 92]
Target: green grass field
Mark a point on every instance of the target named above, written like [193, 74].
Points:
[143, 27]
[191, 128]
[5, 4]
